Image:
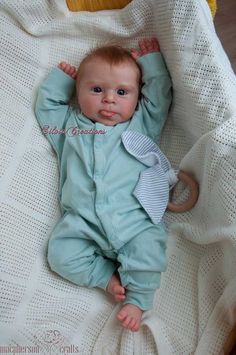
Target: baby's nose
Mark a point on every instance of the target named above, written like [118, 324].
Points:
[109, 97]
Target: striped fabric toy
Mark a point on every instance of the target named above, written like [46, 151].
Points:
[154, 184]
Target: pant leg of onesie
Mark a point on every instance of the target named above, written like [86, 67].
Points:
[74, 256]
[142, 261]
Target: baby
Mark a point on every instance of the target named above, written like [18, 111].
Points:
[105, 238]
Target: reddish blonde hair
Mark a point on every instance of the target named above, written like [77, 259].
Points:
[113, 55]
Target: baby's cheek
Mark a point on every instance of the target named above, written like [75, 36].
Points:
[129, 108]
[86, 104]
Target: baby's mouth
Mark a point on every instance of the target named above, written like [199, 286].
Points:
[106, 113]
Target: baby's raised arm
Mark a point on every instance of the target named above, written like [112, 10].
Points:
[147, 46]
[52, 107]
[156, 89]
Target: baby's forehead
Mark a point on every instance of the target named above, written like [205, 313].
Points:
[96, 63]
[105, 62]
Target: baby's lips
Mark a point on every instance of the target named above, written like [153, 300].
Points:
[107, 113]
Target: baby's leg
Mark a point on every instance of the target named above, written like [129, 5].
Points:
[142, 260]
[76, 258]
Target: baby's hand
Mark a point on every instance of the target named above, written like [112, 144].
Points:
[68, 69]
[146, 46]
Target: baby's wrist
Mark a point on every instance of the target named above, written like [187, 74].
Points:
[142, 55]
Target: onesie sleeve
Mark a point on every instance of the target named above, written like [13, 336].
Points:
[156, 93]
[52, 109]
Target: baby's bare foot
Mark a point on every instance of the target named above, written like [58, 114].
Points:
[115, 288]
[130, 317]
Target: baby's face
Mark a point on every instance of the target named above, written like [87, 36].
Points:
[108, 93]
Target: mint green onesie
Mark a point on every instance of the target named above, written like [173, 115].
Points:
[103, 227]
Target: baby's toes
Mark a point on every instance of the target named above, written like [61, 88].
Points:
[132, 324]
[136, 326]
[121, 315]
[119, 298]
[119, 290]
[127, 321]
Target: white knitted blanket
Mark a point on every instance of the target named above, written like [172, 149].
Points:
[39, 311]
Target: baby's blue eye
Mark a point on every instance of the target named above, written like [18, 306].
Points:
[121, 92]
[96, 89]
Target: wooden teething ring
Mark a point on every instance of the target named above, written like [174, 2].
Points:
[188, 180]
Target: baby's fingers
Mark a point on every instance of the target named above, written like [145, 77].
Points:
[62, 65]
[135, 53]
[149, 45]
[65, 67]
[68, 69]
[72, 72]
[145, 46]
[155, 44]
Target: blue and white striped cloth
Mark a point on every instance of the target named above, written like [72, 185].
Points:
[154, 184]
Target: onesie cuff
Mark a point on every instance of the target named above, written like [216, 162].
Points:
[62, 80]
[152, 64]
[143, 300]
